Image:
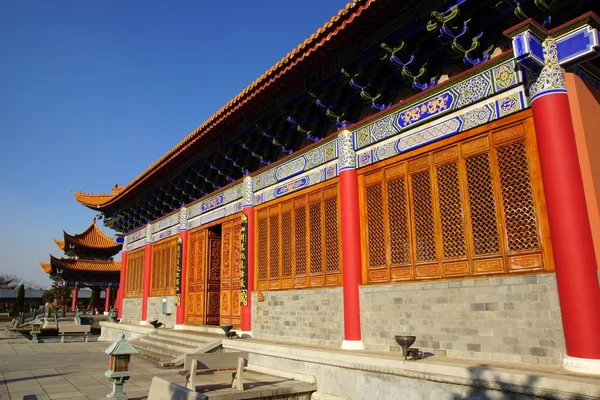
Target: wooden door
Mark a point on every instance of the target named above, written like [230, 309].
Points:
[230, 273]
[213, 281]
[196, 290]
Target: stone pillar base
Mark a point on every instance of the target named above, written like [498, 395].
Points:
[582, 365]
[245, 334]
[179, 326]
[143, 322]
[353, 345]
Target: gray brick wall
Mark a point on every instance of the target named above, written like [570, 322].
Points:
[514, 318]
[303, 316]
[132, 310]
[155, 310]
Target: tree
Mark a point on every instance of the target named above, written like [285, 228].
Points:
[59, 294]
[20, 302]
[92, 303]
[9, 281]
[13, 281]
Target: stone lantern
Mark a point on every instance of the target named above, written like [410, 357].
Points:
[36, 326]
[118, 371]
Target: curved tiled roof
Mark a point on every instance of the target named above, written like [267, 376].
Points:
[92, 237]
[317, 40]
[46, 267]
[81, 265]
[60, 244]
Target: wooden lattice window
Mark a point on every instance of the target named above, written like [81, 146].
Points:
[164, 265]
[484, 219]
[451, 212]
[299, 241]
[468, 208]
[262, 240]
[423, 216]
[135, 273]
[517, 196]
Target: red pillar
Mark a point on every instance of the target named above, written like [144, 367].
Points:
[247, 310]
[573, 248]
[146, 280]
[74, 298]
[351, 250]
[122, 282]
[107, 300]
[572, 244]
[180, 316]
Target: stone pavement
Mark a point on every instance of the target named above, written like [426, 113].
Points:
[73, 370]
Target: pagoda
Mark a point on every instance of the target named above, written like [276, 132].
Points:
[87, 262]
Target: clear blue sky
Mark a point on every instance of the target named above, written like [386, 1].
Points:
[93, 92]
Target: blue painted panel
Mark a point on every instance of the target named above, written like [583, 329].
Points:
[577, 46]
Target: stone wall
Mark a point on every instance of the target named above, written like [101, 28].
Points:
[132, 310]
[515, 318]
[155, 310]
[303, 316]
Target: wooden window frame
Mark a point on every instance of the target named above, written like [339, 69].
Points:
[163, 269]
[487, 139]
[315, 195]
[134, 278]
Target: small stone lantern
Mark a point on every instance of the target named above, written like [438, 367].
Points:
[118, 371]
[36, 326]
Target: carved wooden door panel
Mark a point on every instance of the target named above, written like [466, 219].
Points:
[230, 273]
[213, 281]
[196, 278]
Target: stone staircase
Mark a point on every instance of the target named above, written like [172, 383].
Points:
[169, 346]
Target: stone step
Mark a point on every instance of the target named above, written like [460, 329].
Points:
[149, 347]
[190, 335]
[165, 343]
[195, 342]
[150, 355]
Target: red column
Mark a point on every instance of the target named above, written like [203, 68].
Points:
[351, 250]
[247, 310]
[572, 243]
[107, 300]
[122, 283]
[146, 280]
[180, 316]
[74, 299]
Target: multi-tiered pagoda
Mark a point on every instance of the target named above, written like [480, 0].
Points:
[88, 262]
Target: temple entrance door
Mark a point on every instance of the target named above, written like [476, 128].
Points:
[196, 289]
[213, 281]
[230, 273]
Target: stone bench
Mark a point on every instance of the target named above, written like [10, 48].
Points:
[196, 364]
[74, 329]
[161, 389]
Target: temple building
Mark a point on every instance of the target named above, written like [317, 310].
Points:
[417, 167]
[87, 262]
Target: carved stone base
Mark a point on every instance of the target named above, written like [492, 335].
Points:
[353, 345]
[582, 365]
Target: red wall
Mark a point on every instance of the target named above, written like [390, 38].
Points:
[584, 101]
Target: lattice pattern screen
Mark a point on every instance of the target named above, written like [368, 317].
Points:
[451, 212]
[441, 214]
[376, 229]
[135, 273]
[398, 225]
[482, 202]
[423, 214]
[519, 211]
[263, 235]
[164, 265]
[316, 251]
[299, 241]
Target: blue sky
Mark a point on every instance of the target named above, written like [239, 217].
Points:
[93, 92]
